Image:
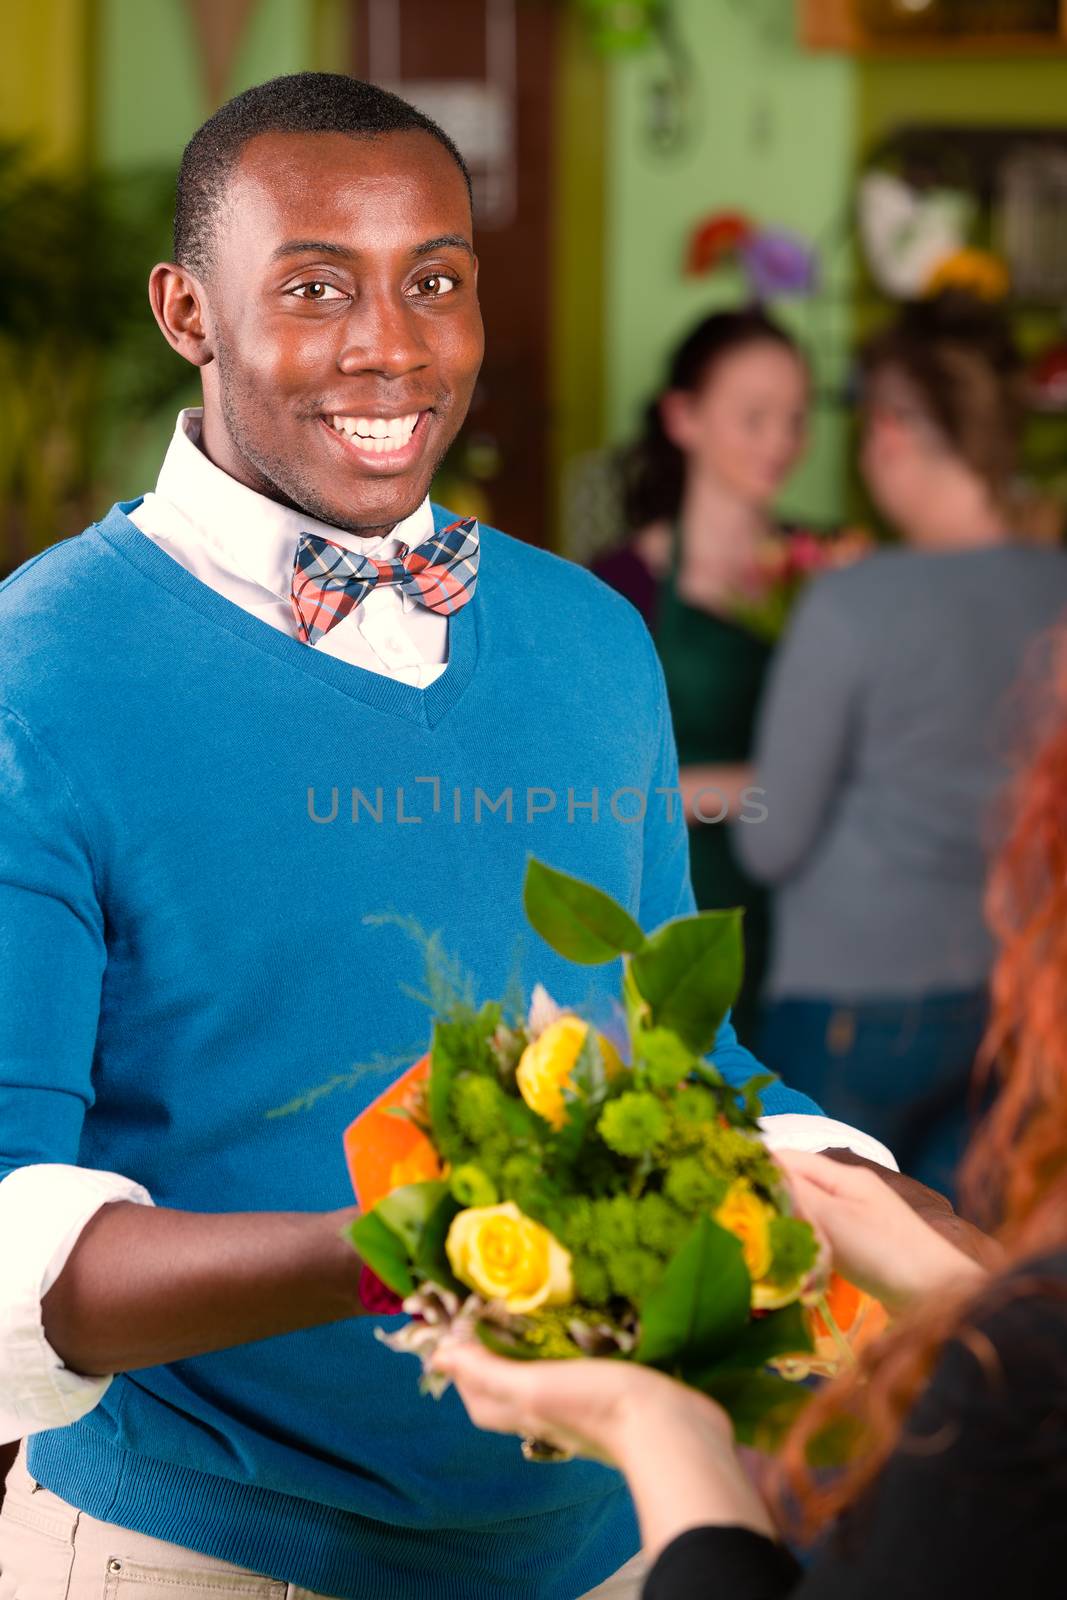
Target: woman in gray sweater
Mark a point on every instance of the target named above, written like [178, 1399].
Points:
[883, 741]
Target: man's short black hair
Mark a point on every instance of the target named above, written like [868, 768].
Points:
[303, 102]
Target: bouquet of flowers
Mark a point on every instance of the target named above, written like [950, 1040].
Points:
[563, 1201]
[785, 564]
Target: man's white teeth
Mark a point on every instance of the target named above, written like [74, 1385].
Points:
[378, 434]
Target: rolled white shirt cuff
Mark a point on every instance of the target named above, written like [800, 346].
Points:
[798, 1130]
[43, 1210]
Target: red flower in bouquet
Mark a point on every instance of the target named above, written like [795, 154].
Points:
[375, 1297]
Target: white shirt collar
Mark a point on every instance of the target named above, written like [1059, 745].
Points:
[252, 534]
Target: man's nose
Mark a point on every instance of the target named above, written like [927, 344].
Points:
[383, 335]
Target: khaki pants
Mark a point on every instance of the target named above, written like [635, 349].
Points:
[51, 1551]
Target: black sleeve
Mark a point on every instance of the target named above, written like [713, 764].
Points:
[973, 1501]
[724, 1563]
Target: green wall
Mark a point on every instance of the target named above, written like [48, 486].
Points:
[151, 95]
[775, 138]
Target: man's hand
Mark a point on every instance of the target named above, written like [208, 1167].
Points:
[934, 1209]
[145, 1285]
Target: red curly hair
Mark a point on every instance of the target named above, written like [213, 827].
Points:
[1014, 1179]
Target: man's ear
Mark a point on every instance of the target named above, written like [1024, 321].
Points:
[179, 305]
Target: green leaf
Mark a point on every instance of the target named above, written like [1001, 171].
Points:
[690, 972]
[701, 1303]
[709, 1075]
[779, 1333]
[637, 1008]
[407, 1230]
[407, 1211]
[752, 1092]
[584, 1096]
[580, 922]
[383, 1252]
[588, 1077]
[430, 1259]
[460, 1044]
[520, 1122]
[761, 1405]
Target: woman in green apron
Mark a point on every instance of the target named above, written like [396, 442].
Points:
[718, 444]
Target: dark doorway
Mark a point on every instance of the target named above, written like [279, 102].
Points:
[486, 70]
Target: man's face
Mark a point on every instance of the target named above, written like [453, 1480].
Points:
[344, 321]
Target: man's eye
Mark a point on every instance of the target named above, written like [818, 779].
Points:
[433, 287]
[317, 291]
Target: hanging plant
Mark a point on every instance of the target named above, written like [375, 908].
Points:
[621, 26]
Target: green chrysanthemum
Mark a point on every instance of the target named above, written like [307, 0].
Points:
[591, 1283]
[475, 1104]
[737, 1154]
[491, 1154]
[614, 1225]
[633, 1124]
[793, 1250]
[694, 1105]
[662, 1058]
[660, 1226]
[634, 1272]
[576, 1223]
[520, 1179]
[471, 1186]
[691, 1185]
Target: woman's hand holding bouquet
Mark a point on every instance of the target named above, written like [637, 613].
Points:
[528, 1184]
[877, 1241]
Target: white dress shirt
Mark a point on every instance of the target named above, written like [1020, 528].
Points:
[242, 545]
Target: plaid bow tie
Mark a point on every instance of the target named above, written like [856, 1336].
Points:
[329, 582]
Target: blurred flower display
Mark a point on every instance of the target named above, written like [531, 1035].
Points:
[715, 240]
[979, 272]
[907, 233]
[775, 263]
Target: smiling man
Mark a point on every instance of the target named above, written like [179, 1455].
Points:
[191, 932]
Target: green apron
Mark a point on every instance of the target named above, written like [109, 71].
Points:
[715, 670]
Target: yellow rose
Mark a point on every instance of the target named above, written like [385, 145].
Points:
[504, 1255]
[546, 1065]
[745, 1215]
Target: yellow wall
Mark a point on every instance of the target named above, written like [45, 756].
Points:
[46, 75]
[1013, 92]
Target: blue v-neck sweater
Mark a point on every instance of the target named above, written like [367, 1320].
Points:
[198, 816]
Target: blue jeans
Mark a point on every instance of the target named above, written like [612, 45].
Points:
[899, 1069]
